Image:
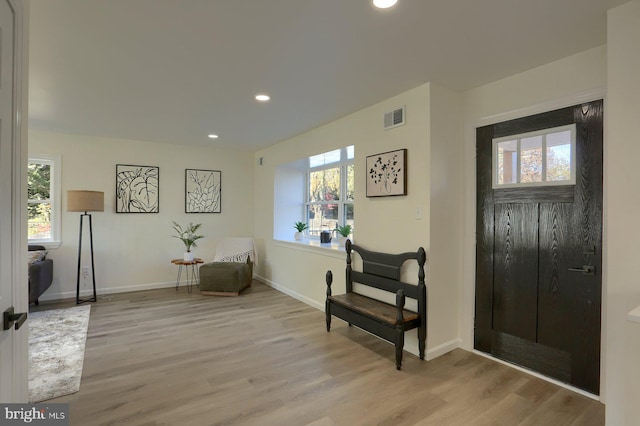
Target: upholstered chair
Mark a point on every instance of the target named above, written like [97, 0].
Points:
[231, 270]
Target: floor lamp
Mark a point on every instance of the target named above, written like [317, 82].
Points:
[85, 201]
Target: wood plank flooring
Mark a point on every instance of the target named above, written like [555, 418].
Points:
[162, 357]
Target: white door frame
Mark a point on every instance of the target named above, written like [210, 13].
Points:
[16, 390]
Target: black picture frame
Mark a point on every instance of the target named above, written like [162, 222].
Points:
[202, 191]
[387, 174]
[137, 189]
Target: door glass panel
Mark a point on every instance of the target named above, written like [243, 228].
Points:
[559, 156]
[507, 162]
[540, 158]
[531, 159]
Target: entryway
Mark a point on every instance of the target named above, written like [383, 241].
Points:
[539, 243]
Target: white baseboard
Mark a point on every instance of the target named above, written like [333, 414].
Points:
[443, 348]
[88, 292]
[431, 353]
[292, 293]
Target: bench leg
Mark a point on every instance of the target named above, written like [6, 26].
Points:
[327, 311]
[399, 346]
[422, 337]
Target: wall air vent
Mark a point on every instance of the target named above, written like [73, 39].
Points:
[394, 118]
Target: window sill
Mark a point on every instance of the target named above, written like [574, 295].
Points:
[46, 244]
[313, 246]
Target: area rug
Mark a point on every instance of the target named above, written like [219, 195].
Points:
[56, 351]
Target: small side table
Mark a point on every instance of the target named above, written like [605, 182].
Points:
[188, 264]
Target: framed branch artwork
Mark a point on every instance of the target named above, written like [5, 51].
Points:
[203, 191]
[387, 174]
[137, 189]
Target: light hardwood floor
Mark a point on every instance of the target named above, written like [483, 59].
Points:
[162, 357]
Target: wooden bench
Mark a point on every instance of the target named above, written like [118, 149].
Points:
[381, 271]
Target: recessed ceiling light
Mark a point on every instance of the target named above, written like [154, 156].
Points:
[384, 4]
[213, 136]
[261, 97]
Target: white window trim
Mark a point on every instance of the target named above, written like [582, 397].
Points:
[518, 137]
[343, 165]
[55, 161]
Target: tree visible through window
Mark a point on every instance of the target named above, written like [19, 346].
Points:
[541, 158]
[330, 191]
[42, 199]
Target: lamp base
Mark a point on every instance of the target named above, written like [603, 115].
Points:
[79, 301]
[93, 275]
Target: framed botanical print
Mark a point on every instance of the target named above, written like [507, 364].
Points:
[387, 174]
[137, 189]
[203, 191]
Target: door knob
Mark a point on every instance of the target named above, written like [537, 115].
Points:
[586, 269]
[10, 318]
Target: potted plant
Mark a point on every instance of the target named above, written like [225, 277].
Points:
[344, 232]
[188, 236]
[300, 226]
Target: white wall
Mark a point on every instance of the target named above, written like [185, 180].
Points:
[386, 224]
[132, 251]
[446, 206]
[622, 151]
[301, 271]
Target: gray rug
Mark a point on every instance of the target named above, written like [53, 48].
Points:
[56, 351]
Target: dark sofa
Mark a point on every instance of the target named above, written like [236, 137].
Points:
[40, 275]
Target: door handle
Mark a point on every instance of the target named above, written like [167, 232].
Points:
[11, 318]
[586, 269]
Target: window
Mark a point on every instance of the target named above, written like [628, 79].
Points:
[43, 194]
[317, 190]
[542, 158]
[330, 191]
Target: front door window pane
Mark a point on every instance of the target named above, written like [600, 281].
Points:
[531, 159]
[559, 156]
[507, 162]
[540, 158]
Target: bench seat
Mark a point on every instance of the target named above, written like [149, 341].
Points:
[375, 309]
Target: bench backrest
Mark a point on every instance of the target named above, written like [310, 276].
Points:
[382, 271]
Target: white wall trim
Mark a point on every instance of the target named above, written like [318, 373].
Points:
[468, 302]
[111, 290]
[291, 293]
[430, 353]
[442, 349]
[562, 102]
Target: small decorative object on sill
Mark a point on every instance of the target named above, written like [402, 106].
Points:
[325, 237]
[300, 226]
[344, 232]
[188, 236]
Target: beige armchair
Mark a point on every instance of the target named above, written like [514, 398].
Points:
[231, 271]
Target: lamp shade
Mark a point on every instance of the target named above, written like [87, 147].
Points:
[85, 201]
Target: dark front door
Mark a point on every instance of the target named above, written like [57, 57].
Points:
[539, 255]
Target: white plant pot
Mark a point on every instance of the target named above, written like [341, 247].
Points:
[188, 256]
[298, 236]
[342, 241]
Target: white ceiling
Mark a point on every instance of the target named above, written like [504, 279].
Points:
[174, 71]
